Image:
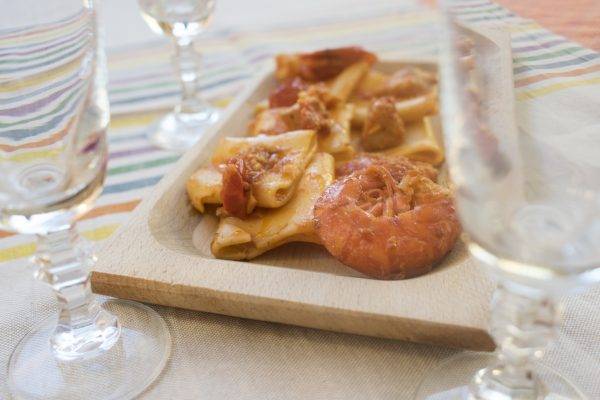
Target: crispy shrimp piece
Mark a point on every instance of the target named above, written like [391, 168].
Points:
[383, 127]
[411, 110]
[235, 192]
[384, 227]
[262, 170]
[286, 93]
[320, 65]
[398, 166]
[408, 82]
[239, 173]
[316, 109]
[312, 110]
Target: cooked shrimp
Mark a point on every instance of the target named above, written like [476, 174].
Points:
[239, 173]
[235, 193]
[286, 93]
[384, 227]
[397, 166]
[383, 127]
[320, 65]
[311, 110]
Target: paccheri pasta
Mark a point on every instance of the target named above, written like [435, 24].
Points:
[331, 110]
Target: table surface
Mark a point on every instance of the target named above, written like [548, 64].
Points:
[216, 357]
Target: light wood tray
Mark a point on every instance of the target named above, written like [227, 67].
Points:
[153, 259]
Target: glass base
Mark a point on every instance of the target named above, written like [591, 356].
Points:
[120, 372]
[452, 379]
[179, 131]
[87, 342]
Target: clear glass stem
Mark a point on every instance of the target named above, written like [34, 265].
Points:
[522, 325]
[84, 329]
[187, 63]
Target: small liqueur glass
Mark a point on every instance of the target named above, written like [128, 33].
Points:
[53, 155]
[532, 215]
[183, 21]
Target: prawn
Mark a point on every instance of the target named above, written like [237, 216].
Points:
[286, 93]
[397, 166]
[383, 128]
[320, 65]
[311, 110]
[239, 175]
[385, 225]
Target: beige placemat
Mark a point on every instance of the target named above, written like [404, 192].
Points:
[216, 357]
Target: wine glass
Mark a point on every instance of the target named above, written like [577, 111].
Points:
[53, 154]
[183, 21]
[532, 214]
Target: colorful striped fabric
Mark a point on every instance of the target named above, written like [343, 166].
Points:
[142, 86]
[575, 19]
[42, 83]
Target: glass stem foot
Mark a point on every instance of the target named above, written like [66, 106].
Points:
[522, 326]
[523, 323]
[121, 372]
[84, 329]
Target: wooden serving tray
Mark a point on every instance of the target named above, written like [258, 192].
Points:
[153, 258]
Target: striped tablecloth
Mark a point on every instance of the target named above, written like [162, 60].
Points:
[575, 19]
[557, 84]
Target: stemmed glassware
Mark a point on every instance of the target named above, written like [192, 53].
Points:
[532, 215]
[182, 20]
[53, 155]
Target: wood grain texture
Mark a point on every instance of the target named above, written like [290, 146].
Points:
[162, 256]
